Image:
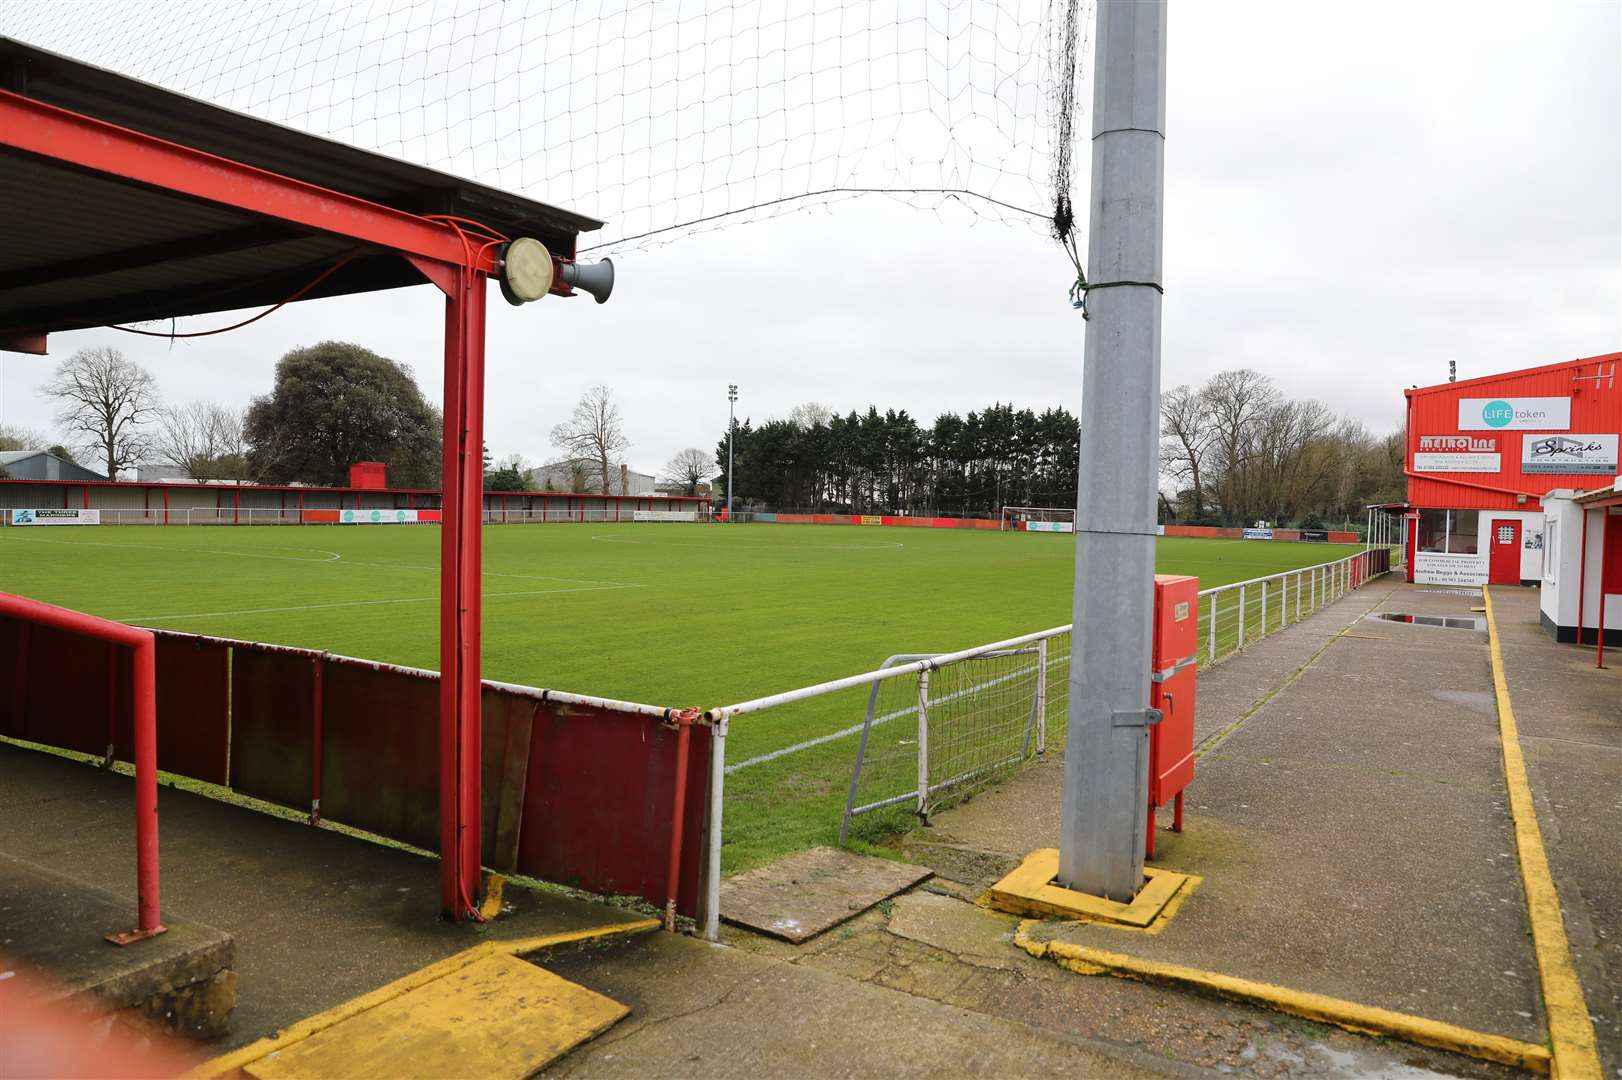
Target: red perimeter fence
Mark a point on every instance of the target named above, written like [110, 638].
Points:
[581, 794]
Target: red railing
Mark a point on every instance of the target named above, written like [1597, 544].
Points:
[143, 700]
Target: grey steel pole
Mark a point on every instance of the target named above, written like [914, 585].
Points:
[732, 424]
[1106, 783]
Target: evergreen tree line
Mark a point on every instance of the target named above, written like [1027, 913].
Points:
[1233, 451]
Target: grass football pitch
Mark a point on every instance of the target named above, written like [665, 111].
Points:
[668, 614]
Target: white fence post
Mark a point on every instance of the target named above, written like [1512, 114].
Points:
[923, 742]
[1264, 609]
[1210, 628]
[1241, 644]
[1042, 696]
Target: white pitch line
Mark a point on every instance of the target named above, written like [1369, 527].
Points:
[358, 603]
[332, 556]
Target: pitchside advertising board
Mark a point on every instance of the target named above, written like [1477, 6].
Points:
[56, 517]
[1049, 526]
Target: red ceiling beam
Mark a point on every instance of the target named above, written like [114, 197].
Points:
[73, 139]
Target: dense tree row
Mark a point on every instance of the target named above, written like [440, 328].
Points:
[888, 463]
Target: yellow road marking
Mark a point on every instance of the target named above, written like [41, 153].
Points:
[1365, 1019]
[492, 896]
[1571, 1032]
[232, 1063]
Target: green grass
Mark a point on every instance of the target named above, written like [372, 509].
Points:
[678, 615]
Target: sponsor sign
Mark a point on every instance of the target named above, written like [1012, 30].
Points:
[670, 515]
[1315, 536]
[1258, 534]
[872, 519]
[1589, 454]
[56, 517]
[1456, 462]
[384, 517]
[1515, 414]
[1050, 526]
[1474, 444]
[1436, 568]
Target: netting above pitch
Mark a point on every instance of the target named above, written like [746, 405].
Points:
[661, 117]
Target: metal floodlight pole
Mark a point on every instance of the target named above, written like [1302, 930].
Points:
[1106, 783]
[732, 424]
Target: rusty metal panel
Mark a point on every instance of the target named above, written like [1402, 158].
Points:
[599, 799]
[193, 707]
[272, 698]
[380, 751]
[504, 767]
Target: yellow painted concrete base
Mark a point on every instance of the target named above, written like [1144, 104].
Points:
[485, 993]
[497, 1017]
[1029, 890]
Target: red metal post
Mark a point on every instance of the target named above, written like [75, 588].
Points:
[1582, 573]
[112, 704]
[1604, 550]
[317, 666]
[460, 607]
[236, 506]
[684, 730]
[144, 700]
[166, 506]
[84, 493]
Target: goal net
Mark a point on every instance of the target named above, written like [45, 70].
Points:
[1059, 519]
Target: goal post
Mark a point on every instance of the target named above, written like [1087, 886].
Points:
[1058, 519]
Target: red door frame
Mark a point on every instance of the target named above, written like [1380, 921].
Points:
[1514, 552]
[460, 269]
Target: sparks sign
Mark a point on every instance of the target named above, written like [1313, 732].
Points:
[1515, 414]
[1580, 454]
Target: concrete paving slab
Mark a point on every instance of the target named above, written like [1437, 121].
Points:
[180, 981]
[318, 917]
[710, 1011]
[1570, 719]
[801, 895]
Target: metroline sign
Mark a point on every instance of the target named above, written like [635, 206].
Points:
[1515, 414]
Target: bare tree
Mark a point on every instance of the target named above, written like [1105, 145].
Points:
[105, 401]
[809, 415]
[13, 437]
[689, 468]
[1186, 434]
[204, 438]
[594, 431]
[1235, 401]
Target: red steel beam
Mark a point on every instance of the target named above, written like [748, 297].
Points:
[140, 642]
[88, 143]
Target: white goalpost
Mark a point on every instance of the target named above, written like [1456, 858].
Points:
[1059, 519]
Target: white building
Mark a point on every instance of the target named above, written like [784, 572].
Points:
[1582, 566]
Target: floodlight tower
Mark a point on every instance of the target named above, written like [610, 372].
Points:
[1106, 764]
[732, 423]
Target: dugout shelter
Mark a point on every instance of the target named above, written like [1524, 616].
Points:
[129, 204]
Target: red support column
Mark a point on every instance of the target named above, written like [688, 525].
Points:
[460, 606]
[236, 506]
[85, 493]
[1604, 550]
[166, 506]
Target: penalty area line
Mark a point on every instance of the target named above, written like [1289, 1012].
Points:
[361, 603]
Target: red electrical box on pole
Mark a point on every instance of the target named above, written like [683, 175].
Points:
[1171, 690]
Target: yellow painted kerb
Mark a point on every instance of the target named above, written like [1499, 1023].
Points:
[1571, 1032]
[231, 1064]
[1345, 1014]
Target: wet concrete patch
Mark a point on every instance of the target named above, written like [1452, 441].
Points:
[801, 895]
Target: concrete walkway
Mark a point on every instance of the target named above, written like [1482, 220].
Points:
[1570, 717]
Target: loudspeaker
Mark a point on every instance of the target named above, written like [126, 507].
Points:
[594, 278]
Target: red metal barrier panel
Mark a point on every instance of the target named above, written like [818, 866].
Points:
[62, 687]
[508, 719]
[13, 677]
[380, 751]
[272, 717]
[193, 708]
[599, 800]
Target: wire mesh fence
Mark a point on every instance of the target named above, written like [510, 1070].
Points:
[924, 732]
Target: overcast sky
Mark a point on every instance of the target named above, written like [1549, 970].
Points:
[1356, 195]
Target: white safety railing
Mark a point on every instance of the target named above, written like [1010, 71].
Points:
[930, 730]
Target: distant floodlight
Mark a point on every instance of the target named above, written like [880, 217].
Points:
[594, 278]
[526, 271]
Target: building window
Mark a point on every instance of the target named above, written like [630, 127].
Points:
[1448, 532]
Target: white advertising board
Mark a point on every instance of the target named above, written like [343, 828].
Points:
[665, 515]
[383, 517]
[57, 516]
[1515, 414]
[1049, 526]
[1435, 568]
[1593, 455]
[1454, 462]
[1258, 534]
